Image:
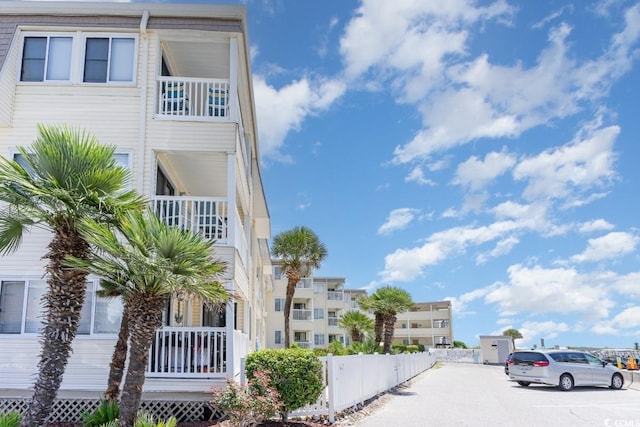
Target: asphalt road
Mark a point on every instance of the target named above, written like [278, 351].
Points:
[457, 394]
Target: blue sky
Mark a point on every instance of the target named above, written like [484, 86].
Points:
[484, 152]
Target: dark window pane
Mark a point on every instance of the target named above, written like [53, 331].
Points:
[33, 58]
[96, 60]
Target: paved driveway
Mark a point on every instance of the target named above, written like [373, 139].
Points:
[480, 395]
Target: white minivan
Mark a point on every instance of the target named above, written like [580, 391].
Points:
[563, 368]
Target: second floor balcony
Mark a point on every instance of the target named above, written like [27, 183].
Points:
[188, 98]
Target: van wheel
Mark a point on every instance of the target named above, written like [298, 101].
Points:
[616, 382]
[524, 383]
[566, 382]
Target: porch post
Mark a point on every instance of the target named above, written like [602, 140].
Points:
[230, 349]
[232, 211]
[233, 80]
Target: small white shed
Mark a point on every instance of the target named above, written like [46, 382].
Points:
[495, 348]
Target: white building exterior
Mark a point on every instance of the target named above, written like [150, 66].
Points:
[170, 85]
[428, 323]
[318, 303]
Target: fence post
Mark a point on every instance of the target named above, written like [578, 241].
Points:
[243, 373]
[330, 387]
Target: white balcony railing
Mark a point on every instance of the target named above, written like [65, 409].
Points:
[305, 283]
[205, 215]
[335, 295]
[189, 352]
[301, 314]
[303, 344]
[192, 98]
[332, 321]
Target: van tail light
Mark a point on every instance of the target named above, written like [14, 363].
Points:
[510, 362]
[540, 363]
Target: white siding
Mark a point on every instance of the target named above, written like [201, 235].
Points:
[8, 79]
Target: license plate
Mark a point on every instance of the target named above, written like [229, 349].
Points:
[525, 368]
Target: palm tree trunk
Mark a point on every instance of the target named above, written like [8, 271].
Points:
[291, 289]
[378, 327]
[145, 317]
[119, 358]
[355, 335]
[389, 323]
[62, 304]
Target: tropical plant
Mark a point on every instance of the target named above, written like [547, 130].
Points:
[107, 411]
[299, 251]
[10, 419]
[357, 324]
[459, 344]
[369, 346]
[147, 262]
[336, 348]
[146, 420]
[513, 333]
[250, 405]
[295, 373]
[386, 302]
[64, 176]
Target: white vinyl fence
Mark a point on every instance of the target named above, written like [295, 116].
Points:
[352, 380]
[460, 355]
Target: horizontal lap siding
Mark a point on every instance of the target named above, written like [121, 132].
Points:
[88, 367]
[27, 260]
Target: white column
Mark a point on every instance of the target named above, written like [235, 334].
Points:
[233, 80]
[230, 315]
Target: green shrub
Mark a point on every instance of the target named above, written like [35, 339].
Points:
[145, 420]
[295, 373]
[412, 348]
[11, 419]
[336, 348]
[248, 406]
[320, 351]
[421, 348]
[108, 410]
[399, 348]
[367, 347]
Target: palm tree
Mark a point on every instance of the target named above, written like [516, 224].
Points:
[67, 175]
[299, 250]
[514, 334]
[386, 303]
[367, 303]
[356, 323]
[148, 262]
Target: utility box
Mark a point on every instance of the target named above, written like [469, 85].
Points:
[495, 348]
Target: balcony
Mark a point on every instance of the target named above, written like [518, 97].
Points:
[185, 98]
[205, 215]
[335, 298]
[332, 321]
[188, 353]
[302, 314]
[302, 344]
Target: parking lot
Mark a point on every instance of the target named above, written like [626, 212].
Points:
[459, 394]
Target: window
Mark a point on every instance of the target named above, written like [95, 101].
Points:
[318, 339]
[78, 57]
[46, 58]
[279, 304]
[277, 272]
[21, 304]
[318, 313]
[11, 302]
[109, 59]
[278, 337]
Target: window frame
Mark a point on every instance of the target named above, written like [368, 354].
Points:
[25, 299]
[48, 35]
[111, 36]
[77, 58]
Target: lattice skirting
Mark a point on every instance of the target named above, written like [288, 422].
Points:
[70, 410]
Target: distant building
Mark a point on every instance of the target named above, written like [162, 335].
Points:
[495, 348]
[318, 303]
[428, 323]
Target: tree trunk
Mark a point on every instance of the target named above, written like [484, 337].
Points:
[378, 327]
[355, 335]
[145, 317]
[62, 306]
[292, 281]
[119, 358]
[389, 323]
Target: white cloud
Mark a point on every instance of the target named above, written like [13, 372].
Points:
[573, 168]
[595, 225]
[398, 219]
[548, 330]
[281, 110]
[475, 173]
[627, 321]
[557, 290]
[417, 175]
[610, 246]
[459, 304]
[503, 247]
